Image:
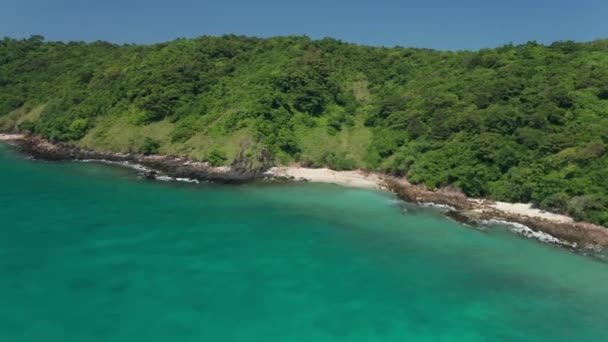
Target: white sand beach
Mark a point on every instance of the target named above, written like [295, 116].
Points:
[525, 209]
[357, 178]
[11, 137]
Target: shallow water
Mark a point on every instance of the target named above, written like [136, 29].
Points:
[91, 253]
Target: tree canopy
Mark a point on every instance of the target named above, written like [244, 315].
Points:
[524, 123]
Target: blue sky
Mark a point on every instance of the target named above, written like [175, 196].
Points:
[439, 24]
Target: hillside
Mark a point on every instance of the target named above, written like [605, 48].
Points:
[524, 123]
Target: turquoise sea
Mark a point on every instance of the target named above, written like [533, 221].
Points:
[90, 253]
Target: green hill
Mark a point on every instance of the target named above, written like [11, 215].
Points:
[515, 123]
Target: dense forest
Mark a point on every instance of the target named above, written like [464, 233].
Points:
[525, 123]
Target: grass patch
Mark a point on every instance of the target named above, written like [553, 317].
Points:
[361, 91]
[14, 119]
[349, 141]
[122, 136]
[201, 145]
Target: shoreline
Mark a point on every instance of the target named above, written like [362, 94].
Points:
[560, 229]
[525, 220]
[150, 166]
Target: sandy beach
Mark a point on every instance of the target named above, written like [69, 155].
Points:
[526, 209]
[11, 137]
[356, 178]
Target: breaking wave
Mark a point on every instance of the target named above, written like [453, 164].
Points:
[526, 231]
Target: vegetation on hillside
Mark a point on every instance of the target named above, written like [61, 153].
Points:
[525, 123]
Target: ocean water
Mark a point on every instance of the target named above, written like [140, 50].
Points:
[90, 252]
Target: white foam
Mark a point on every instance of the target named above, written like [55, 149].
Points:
[173, 179]
[137, 167]
[528, 232]
[187, 180]
[436, 205]
[140, 168]
[164, 178]
[594, 248]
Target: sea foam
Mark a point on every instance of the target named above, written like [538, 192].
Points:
[127, 164]
[174, 179]
[528, 232]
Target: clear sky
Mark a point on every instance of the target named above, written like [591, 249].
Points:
[439, 24]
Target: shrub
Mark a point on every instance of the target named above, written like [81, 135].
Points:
[78, 128]
[217, 158]
[150, 146]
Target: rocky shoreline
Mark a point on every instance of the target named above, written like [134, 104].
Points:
[475, 212]
[153, 165]
[561, 230]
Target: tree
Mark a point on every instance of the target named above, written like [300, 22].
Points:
[216, 158]
[150, 146]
